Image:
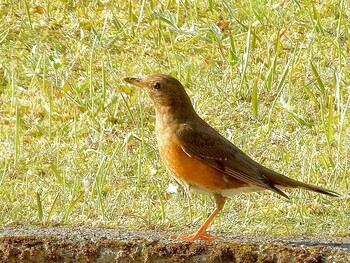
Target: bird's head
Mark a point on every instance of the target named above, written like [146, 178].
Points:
[164, 90]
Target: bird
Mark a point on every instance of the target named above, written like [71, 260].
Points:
[199, 158]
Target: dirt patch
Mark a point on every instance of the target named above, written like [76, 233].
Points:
[55, 244]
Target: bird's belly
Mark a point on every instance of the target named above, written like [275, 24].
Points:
[197, 176]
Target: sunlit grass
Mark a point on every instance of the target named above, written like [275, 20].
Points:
[77, 144]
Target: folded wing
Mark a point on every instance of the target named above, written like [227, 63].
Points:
[208, 145]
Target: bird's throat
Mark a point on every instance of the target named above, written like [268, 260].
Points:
[173, 116]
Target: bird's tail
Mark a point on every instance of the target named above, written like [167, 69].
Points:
[279, 180]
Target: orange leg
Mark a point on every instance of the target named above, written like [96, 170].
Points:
[202, 231]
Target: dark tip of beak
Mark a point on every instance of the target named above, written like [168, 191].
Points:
[132, 80]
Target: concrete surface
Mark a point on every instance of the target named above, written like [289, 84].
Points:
[62, 244]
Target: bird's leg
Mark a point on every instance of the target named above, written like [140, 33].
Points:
[202, 231]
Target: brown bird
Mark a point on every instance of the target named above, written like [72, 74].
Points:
[199, 158]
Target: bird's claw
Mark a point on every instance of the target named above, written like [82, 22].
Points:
[192, 237]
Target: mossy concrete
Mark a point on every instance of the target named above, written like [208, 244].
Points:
[62, 244]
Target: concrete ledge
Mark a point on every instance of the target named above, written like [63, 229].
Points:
[61, 244]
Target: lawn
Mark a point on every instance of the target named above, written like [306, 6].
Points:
[77, 143]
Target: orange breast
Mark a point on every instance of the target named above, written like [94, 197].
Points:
[193, 172]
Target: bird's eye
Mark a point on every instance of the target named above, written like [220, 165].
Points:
[156, 85]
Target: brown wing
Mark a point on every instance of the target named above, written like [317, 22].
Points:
[208, 145]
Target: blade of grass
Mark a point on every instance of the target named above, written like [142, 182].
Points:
[28, 15]
[272, 69]
[98, 185]
[255, 92]
[317, 17]
[232, 54]
[229, 9]
[141, 148]
[343, 114]
[132, 17]
[170, 21]
[338, 92]
[245, 61]
[190, 211]
[330, 120]
[72, 205]
[13, 91]
[257, 12]
[298, 118]
[318, 79]
[104, 86]
[141, 14]
[189, 73]
[210, 3]
[91, 70]
[311, 95]
[57, 174]
[53, 206]
[39, 207]
[37, 67]
[217, 35]
[279, 90]
[3, 35]
[127, 107]
[17, 136]
[161, 200]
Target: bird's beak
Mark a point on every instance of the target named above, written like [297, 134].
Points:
[134, 81]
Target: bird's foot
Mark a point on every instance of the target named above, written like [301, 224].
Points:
[198, 235]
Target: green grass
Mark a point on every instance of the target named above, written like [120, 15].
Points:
[77, 144]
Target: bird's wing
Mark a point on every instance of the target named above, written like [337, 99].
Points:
[206, 144]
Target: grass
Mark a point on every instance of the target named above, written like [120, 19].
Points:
[77, 144]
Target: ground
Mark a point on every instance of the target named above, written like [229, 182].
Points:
[62, 244]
